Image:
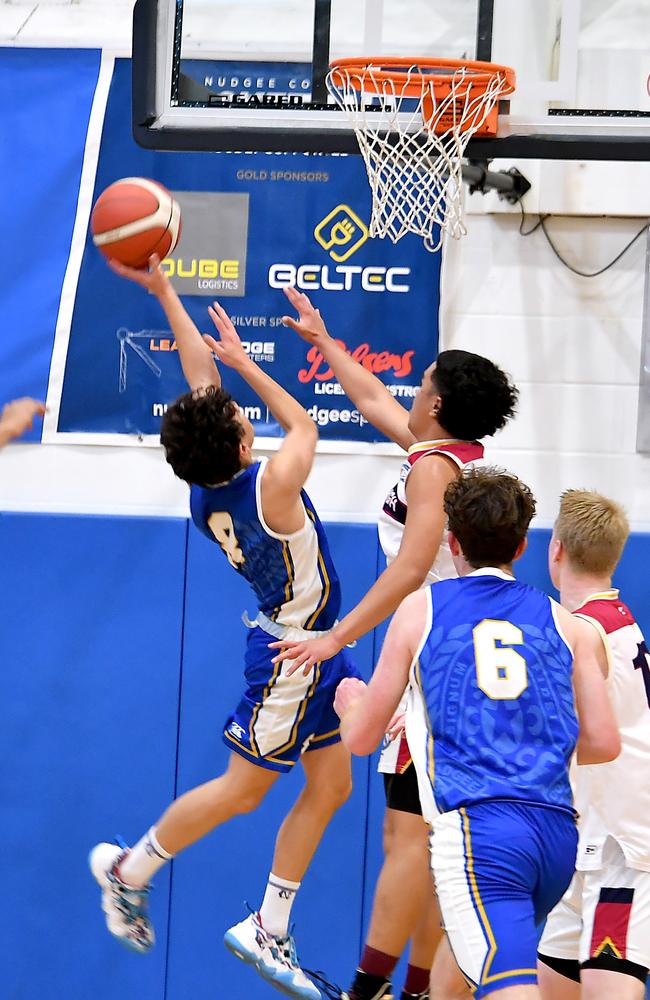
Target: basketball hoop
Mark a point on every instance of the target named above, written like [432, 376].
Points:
[413, 121]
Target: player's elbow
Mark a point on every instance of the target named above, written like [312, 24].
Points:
[358, 742]
[412, 574]
[600, 747]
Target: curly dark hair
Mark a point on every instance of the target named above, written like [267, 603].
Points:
[201, 435]
[489, 511]
[477, 397]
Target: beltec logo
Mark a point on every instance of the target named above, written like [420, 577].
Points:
[312, 276]
[343, 229]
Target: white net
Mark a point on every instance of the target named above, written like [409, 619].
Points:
[412, 142]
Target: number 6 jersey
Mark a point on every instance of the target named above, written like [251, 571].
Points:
[293, 576]
[491, 709]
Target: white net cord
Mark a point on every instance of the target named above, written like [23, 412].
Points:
[415, 174]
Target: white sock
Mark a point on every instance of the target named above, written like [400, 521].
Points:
[143, 861]
[275, 910]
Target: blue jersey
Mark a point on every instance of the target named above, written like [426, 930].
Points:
[492, 708]
[292, 575]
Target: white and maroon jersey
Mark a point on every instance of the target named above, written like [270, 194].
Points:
[614, 799]
[393, 516]
[396, 756]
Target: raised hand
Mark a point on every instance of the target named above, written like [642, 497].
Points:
[18, 417]
[154, 280]
[309, 324]
[347, 694]
[228, 348]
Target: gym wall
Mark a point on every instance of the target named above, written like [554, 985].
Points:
[121, 641]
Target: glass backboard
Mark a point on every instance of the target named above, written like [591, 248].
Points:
[212, 74]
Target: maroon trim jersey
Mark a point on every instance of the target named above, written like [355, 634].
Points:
[614, 798]
[396, 757]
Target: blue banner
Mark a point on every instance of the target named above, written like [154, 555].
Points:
[46, 97]
[252, 224]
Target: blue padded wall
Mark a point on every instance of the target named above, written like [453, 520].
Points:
[121, 652]
[90, 652]
[213, 879]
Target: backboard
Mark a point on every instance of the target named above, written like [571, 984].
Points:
[213, 74]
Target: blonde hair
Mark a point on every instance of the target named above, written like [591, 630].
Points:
[593, 529]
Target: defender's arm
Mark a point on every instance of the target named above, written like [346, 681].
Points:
[366, 712]
[365, 390]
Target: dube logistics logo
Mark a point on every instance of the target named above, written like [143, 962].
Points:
[211, 256]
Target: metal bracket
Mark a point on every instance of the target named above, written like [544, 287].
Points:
[511, 185]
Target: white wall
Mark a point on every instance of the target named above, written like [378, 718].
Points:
[572, 344]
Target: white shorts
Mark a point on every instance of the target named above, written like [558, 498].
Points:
[603, 912]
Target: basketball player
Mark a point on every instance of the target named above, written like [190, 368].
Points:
[266, 526]
[495, 666]
[463, 397]
[596, 944]
[18, 417]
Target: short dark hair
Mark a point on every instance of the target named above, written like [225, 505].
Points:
[201, 434]
[477, 397]
[489, 511]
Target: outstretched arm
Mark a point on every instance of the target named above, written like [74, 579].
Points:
[365, 390]
[365, 712]
[425, 522]
[18, 417]
[196, 358]
[289, 467]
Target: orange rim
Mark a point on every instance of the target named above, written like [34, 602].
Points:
[408, 78]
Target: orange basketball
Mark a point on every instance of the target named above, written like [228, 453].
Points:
[134, 218]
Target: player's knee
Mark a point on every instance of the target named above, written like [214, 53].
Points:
[336, 792]
[247, 801]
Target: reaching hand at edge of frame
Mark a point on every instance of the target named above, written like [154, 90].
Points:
[305, 653]
[228, 348]
[347, 694]
[309, 325]
[396, 726]
[18, 417]
[152, 278]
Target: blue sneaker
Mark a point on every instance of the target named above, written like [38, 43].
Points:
[124, 906]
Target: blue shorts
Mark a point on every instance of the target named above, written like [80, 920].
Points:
[500, 867]
[280, 717]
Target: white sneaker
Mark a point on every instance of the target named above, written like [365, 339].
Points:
[274, 958]
[125, 907]
[248, 940]
[284, 972]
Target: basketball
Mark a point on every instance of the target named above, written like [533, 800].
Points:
[134, 218]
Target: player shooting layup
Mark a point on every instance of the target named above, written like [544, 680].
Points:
[266, 526]
[596, 944]
[463, 397]
[494, 666]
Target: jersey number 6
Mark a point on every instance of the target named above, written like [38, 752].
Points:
[501, 672]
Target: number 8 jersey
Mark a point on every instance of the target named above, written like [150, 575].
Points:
[293, 576]
[491, 710]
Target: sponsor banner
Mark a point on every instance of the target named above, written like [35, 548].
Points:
[253, 224]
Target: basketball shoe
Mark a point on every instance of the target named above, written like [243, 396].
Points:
[274, 958]
[124, 906]
[367, 987]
